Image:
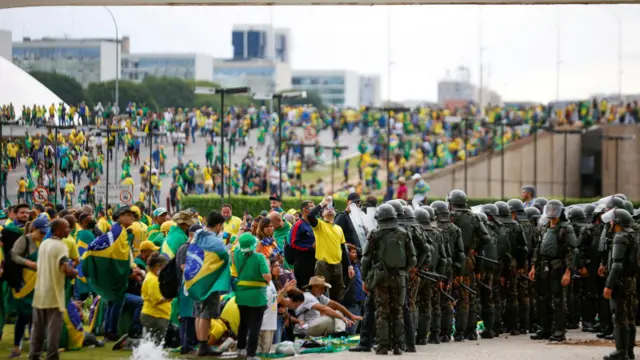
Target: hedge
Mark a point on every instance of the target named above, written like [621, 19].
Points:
[255, 204]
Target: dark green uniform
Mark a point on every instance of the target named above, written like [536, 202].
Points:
[524, 290]
[575, 291]
[487, 268]
[385, 265]
[623, 266]
[588, 259]
[533, 216]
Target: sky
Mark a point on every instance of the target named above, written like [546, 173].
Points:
[416, 45]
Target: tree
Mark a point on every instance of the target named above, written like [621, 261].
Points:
[128, 91]
[170, 92]
[65, 87]
[312, 98]
[213, 101]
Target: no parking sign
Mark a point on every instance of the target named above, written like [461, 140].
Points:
[40, 195]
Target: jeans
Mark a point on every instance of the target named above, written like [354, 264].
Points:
[200, 189]
[355, 309]
[115, 308]
[277, 336]
[249, 329]
[188, 339]
[22, 321]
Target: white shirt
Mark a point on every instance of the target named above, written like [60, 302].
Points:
[270, 317]
[306, 312]
[274, 176]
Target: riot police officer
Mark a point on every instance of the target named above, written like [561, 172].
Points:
[503, 255]
[515, 266]
[539, 203]
[519, 215]
[552, 270]
[386, 263]
[429, 292]
[452, 240]
[533, 215]
[474, 237]
[620, 286]
[575, 292]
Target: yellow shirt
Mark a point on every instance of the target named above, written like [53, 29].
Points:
[128, 181]
[140, 232]
[49, 289]
[232, 225]
[22, 186]
[72, 247]
[103, 225]
[69, 188]
[329, 240]
[153, 303]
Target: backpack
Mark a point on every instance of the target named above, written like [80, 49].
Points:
[169, 280]
[289, 252]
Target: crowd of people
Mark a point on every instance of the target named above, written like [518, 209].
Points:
[421, 274]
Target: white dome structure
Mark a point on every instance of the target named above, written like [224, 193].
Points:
[19, 88]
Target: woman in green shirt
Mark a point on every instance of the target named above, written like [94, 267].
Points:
[251, 293]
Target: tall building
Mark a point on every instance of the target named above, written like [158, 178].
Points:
[187, 66]
[260, 41]
[86, 60]
[336, 87]
[370, 90]
[261, 75]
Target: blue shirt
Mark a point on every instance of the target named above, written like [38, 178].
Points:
[301, 236]
[360, 295]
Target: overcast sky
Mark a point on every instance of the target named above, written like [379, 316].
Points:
[519, 57]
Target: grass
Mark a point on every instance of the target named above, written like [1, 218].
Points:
[324, 171]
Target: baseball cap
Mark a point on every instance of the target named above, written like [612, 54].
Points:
[353, 197]
[159, 211]
[123, 210]
[41, 224]
[274, 197]
[148, 245]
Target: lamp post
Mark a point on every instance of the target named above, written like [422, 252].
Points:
[617, 140]
[115, 24]
[108, 130]
[279, 97]
[56, 152]
[2, 125]
[222, 92]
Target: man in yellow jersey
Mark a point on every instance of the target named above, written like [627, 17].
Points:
[231, 223]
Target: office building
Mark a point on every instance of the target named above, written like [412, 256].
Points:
[86, 60]
[262, 76]
[370, 90]
[188, 66]
[260, 41]
[5, 44]
[336, 87]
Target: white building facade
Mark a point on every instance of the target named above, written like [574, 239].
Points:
[336, 87]
[370, 91]
[262, 76]
[187, 66]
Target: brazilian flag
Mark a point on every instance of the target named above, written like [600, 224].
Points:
[172, 242]
[207, 268]
[106, 263]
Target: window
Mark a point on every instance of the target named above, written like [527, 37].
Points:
[237, 40]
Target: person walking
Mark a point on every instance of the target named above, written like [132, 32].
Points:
[251, 294]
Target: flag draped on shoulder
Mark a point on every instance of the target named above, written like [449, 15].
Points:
[106, 263]
[207, 266]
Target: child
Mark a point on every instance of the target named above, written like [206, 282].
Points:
[156, 310]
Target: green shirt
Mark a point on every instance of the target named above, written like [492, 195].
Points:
[251, 289]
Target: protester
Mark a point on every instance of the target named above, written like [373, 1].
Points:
[302, 250]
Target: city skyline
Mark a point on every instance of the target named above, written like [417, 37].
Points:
[355, 38]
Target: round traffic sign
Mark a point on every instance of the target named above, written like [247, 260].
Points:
[125, 196]
[310, 133]
[40, 195]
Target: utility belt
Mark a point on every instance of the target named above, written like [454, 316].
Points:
[547, 265]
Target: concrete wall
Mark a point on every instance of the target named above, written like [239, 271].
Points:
[484, 175]
[627, 158]
[5, 44]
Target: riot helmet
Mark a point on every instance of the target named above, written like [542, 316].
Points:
[457, 199]
[483, 217]
[619, 217]
[621, 196]
[397, 207]
[503, 209]
[422, 216]
[576, 214]
[409, 217]
[554, 209]
[404, 203]
[442, 210]
[539, 203]
[628, 206]
[532, 213]
[588, 211]
[429, 209]
[386, 217]
[515, 205]
[611, 202]
[490, 210]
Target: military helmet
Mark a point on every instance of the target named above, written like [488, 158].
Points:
[532, 213]
[612, 202]
[397, 207]
[429, 209]
[490, 210]
[619, 217]
[483, 217]
[628, 206]
[576, 213]
[539, 203]
[404, 203]
[422, 216]
[408, 214]
[515, 205]
[588, 211]
[503, 209]
[457, 198]
[442, 211]
[554, 209]
[621, 196]
[386, 217]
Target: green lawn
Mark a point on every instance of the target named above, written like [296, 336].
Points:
[324, 171]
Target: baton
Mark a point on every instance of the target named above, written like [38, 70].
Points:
[487, 259]
[432, 274]
[422, 276]
[447, 295]
[464, 286]
[485, 286]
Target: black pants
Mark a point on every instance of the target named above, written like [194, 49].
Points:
[368, 327]
[250, 323]
[304, 267]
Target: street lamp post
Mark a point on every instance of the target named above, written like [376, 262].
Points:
[115, 23]
[279, 97]
[617, 140]
[6, 172]
[222, 92]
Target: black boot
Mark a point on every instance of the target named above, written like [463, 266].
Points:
[587, 326]
[380, 350]
[461, 325]
[632, 342]
[409, 332]
[558, 336]
[487, 319]
[540, 335]
[424, 321]
[433, 339]
[397, 350]
[524, 311]
[621, 335]
[511, 321]
[360, 348]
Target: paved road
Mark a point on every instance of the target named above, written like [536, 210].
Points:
[195, 152]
